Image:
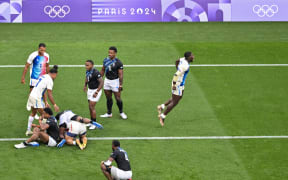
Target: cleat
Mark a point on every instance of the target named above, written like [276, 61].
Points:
[96, 125]
[161, 120]
[28, 132]
[20, 146]
[123, 115]
[34, 144]
[88, 125]
[106, 115]
[84, 146]
[79, 144]
[61, 143]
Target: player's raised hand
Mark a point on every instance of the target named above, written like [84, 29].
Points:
[56, 108]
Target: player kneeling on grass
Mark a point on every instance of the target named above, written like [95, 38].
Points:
[120, 156]
[65, 118]
[48, 133]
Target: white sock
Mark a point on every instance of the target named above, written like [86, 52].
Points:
[30, 121]
[163, 116]
[163, 106]
[74, 143]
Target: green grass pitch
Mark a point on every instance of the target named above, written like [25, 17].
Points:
[218, 101]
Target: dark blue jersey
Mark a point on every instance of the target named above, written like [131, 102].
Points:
[112, 67]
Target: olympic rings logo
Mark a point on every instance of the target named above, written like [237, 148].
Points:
[57, 11]
[265, 10]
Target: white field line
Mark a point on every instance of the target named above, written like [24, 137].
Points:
[167, 138]
[167, 65]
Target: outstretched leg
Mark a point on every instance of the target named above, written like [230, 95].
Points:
[170, 104]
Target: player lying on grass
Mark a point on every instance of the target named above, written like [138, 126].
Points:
[75, 129]
[48, 132]
[178, 83]
[120, 156]
[38, 61]
[68, 116]
[95, 83]
[35, 101]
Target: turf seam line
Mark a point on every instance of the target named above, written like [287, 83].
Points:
[168, 65]
[168, 138]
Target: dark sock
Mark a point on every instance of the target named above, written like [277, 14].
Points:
[109, 105]
[93, 119]
[120, 105]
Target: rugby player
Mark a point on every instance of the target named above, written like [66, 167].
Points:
[113, 83]
[178, 83]
[120, 156]
[48, 132]
[35, 102]
[65, 118]
[95, 83]
[38, 62]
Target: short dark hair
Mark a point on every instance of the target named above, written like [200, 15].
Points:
[48, 111]
[90, 61]
[113, 48]
[116, 143]
[58, 115]
[187, 54]
[42, 45]
[54, 69]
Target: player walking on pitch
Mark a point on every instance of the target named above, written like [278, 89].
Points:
[178, 83]
[113, 69]
[95, 83]
[35, 101]
[38, 62]
[120, 156]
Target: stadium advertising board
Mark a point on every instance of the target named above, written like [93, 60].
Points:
[17, 11]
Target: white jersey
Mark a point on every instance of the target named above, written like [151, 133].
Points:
[45, 82]
[66, 117]
[183, 68]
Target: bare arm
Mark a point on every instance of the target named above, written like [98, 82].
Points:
[120, 74]
[27, 65]
[47, 68]
[102, 71]
[101, 83]
[43, 127]
[85, 85]
[50, 96]
[108, 162]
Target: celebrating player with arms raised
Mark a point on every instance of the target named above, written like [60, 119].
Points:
[113, 69]
[178, 83]
[35, 100]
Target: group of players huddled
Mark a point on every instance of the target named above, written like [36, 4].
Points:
[69, 128]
